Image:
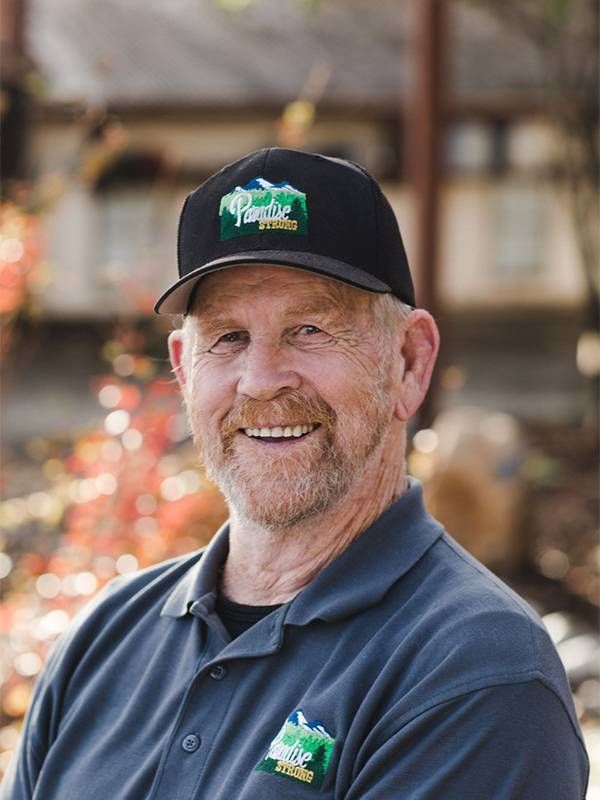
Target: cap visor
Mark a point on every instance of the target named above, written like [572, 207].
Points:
[176, 298]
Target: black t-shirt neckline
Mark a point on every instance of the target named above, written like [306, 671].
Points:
[238, 617]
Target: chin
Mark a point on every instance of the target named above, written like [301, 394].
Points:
[275, 506]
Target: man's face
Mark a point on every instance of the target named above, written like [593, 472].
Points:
[287, 389]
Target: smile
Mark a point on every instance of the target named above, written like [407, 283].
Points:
[280, 431]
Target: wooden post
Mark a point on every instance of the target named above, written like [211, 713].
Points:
[13, 102]
[425, 137]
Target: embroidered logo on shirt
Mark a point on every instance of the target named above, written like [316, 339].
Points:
[301, 751]
[262, 206]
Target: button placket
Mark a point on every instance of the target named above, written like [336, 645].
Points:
[202, 709]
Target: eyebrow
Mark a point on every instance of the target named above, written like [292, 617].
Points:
[208, 317]
[322, 305]
[211, 324]
[214, 325]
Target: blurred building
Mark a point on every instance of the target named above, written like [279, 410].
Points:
[137, 102]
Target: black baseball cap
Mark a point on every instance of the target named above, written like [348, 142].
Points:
[294, 209]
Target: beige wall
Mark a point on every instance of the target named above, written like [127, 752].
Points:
[89, 275]
[469, 274]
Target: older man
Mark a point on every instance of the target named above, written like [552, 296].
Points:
[332, 640]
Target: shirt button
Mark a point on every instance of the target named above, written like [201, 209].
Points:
[190, 743]
[218, 672]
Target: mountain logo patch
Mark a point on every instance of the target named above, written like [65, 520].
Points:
[301, 751]
[262, 206]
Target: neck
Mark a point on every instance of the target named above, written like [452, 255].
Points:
[266, 566]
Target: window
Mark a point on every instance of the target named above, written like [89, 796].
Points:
[519, 223]
[136, 245]
[469, 147]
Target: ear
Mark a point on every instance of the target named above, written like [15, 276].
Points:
[420, 342]
[176, 346]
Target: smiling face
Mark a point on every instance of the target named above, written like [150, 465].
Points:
[288, 389]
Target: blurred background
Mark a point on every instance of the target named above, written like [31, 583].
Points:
[480, 120]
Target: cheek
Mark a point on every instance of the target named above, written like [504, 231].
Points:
[343, 379]
[346, 398]
[210, 394]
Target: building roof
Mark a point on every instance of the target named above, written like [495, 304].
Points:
[194, 52]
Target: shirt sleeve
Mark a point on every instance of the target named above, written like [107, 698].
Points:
[507, 742]
[26, 763]
[43, 716]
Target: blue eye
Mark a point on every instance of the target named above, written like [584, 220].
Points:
[310, 330]
[234, 336]
[230, 342]
[309, 335]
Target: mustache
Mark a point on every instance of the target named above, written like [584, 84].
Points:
[293, 408]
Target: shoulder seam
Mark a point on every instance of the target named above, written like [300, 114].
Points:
[542, 679]
[490, 682]
[454, 694]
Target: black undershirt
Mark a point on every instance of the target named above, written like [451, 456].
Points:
[238, 617]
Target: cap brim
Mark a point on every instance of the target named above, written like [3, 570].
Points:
[176, 298]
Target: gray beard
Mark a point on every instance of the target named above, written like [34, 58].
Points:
[280, 493]
[283, 495]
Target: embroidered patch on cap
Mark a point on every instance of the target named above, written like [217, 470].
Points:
[261, 206]
[301, 751]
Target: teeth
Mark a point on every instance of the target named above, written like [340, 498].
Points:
[279, 431]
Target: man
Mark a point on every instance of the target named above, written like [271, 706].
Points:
[332, 640]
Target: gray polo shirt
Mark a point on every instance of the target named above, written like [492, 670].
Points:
[403, 670]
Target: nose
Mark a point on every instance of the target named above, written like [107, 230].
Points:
[266, 371]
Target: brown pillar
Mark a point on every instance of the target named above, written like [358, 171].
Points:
[13, 97]
[425, 136]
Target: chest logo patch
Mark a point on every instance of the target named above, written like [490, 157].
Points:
[262, 206]
[301, 751]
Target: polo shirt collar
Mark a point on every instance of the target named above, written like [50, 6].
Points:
[360, 576]
[356, 579]
[201, 581]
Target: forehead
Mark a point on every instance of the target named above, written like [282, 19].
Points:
[284, 286]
